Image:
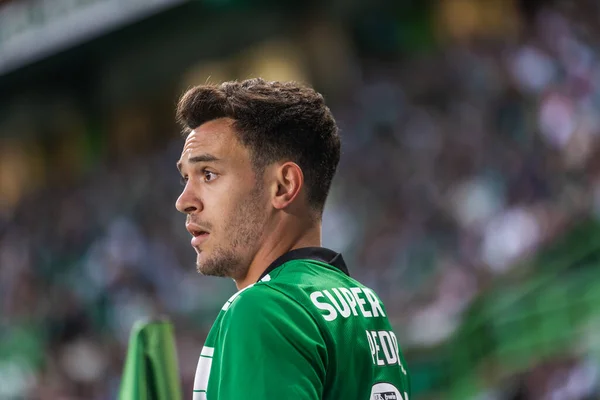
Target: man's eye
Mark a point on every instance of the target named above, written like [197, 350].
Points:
[209, 176]
[183, 180]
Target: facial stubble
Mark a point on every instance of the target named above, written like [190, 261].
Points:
[242, 232]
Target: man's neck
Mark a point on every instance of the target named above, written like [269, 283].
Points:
[274, 247]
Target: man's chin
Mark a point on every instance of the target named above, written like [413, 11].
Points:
[206, 270]
[204, 266]
[210, 267]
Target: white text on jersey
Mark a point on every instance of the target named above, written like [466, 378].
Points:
[347, 302]
[384, 348]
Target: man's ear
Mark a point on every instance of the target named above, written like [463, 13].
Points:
[290, 181]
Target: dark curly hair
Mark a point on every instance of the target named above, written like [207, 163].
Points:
[276, 121]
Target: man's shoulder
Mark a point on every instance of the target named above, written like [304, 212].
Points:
[262, 306]
[287, 287]
[256, 298]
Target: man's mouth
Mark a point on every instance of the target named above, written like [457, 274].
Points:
[198, 237]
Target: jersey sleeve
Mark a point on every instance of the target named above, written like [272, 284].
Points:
[271, 349]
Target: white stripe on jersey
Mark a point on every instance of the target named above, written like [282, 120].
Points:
[203, 372]
[199, 396]
[207, 351]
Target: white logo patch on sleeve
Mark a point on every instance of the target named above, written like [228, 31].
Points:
[386, 391]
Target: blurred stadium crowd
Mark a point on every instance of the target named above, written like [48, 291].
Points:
[459, 164]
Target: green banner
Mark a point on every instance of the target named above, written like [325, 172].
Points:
[151, 371]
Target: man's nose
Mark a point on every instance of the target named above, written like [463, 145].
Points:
[188, 202]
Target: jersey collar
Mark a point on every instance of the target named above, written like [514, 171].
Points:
[321, 254]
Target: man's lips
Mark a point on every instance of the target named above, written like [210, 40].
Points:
[200, 238]
[199, 233]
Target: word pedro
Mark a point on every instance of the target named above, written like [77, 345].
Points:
[384, 348]
[347, 302]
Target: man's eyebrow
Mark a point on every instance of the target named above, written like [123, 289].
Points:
[199, 158]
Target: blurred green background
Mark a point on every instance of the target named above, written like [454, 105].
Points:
[468, 193]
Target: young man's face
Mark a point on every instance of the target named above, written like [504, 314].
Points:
[225, 202]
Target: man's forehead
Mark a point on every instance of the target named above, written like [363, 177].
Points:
[210, 134]
[197, 139]
[216, 137]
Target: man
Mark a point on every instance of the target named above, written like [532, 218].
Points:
[257, 165]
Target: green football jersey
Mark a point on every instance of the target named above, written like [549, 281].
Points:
[305, 330]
